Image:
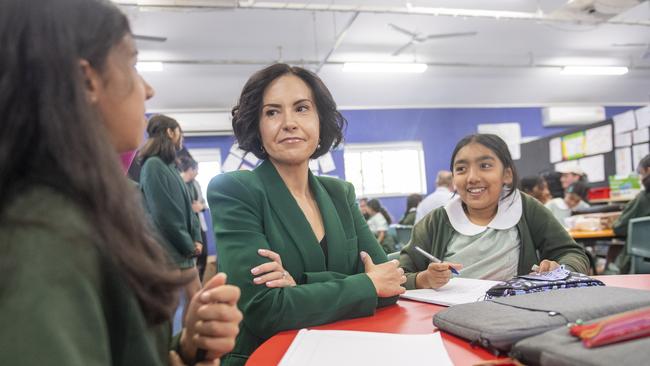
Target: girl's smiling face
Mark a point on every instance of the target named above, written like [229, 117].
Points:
[479, 177]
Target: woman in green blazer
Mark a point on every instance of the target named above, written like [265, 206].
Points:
[295, 244]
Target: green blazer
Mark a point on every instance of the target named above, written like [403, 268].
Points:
[169, 205]
[256, 210]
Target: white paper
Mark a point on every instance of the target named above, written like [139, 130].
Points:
[235, 150]
[638, 153]
[623, 158]
[594, 167]
[457, 291]
[624, 122]
[352, 348]
[555, 149]
[246, 167]
[313, 166]
[509, 132]
[641, 135]
[643, 117]
[251, 159]
[326, 163]
[574, 145]
[622, 140]
[566, 165]
[231, 164]
[598, 140]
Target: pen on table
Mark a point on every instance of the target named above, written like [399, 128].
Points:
[434, 259]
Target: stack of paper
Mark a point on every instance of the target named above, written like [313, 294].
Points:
[456, 291]
[343, 348]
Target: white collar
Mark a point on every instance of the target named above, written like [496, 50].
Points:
[442, 189]
[508, 215]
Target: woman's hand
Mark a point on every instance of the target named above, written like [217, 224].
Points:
[175, 360]
[272, 274]
[436, 275]
[386, 277]
[212, 320]
[546, 266]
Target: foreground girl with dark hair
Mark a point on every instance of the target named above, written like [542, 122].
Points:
[489, 228]
[82, 279]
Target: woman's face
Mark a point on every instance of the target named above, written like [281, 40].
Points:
[289, 124]
[120, 96]
[479, 177]
[176, 135]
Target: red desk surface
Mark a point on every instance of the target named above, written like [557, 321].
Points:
[410, 317]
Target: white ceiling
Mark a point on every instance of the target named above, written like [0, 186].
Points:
[210, 52]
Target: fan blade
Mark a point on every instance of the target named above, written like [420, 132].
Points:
[450, 35]
[149, 38]
[402, 49]
[402, 30]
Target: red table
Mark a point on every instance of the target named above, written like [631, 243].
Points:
[410, 317]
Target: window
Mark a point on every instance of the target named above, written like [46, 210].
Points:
[388, 169]
[209, 160]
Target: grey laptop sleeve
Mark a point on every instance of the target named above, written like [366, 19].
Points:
[499, 323]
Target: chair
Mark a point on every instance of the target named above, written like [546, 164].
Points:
[394, 255]
[403, 234]
[638, 244]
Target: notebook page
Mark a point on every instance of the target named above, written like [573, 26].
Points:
[456, 291]
[351, 348]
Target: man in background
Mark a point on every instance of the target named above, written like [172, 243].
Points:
[442, 195]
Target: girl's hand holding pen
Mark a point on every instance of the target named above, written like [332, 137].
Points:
[437, 273]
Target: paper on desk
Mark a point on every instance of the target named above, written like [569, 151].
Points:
[351, 348]
[456, 291]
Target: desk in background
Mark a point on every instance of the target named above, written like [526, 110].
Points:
[593, 239]
[410, 317]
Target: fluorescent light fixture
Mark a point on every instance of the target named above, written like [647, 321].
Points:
[383, 67]
[145, 66]
[594, 70]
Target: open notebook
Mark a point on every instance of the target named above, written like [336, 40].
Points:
[351, 348]
[456, 291]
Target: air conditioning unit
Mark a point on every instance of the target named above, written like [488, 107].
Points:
[569, 116]
[203, 123]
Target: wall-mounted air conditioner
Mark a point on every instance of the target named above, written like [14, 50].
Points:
[203, 123]
[569, 116]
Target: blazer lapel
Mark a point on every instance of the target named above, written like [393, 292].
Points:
[292, 218]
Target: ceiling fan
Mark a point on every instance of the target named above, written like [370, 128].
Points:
[417, 37]
[141, 37]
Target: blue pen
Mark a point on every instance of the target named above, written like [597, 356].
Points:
[434, 259]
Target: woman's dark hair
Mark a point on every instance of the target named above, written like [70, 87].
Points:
[159, 144]
[527, 184]
[376, 206]
[246, 114]
[51, 136]
[413, 200]
[497, 146]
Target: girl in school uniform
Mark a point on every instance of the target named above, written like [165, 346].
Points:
[574, 199]
[83, 281]
[378, 225]
[489, 229]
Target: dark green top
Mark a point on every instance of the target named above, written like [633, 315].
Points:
[541, 237]
[169, 205]
[638, 207]
[61, 301]
[256, 210]
[409, 218]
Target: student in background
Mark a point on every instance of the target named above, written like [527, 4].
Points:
[412, 202]
[489, 229]
[443, 193]
[574, 199]
[537, 187]
[296, 244]
[638, 207]
[363, 207]
[378, 225]
[571, 174]
[83, 280]
[189, 169]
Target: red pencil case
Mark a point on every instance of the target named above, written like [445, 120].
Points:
[616, 328]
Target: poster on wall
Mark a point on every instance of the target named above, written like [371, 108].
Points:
[573, 145]
[623, 158]
[598, 140]
[623, 139]
[594, 166]
[555, 149]
[638, 153]
[510, 133]
[643, 117]
[641, 135]
[624, 122]
[326, 163]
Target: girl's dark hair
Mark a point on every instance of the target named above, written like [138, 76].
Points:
[497, 146]
[159, 144]
[246, 114]
[185, 163]
[376, 206]
[413, 200]
[527, 184]
[578, 188]
[50, 135]
[645, 164]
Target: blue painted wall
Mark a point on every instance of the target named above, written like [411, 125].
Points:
[438, 129]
